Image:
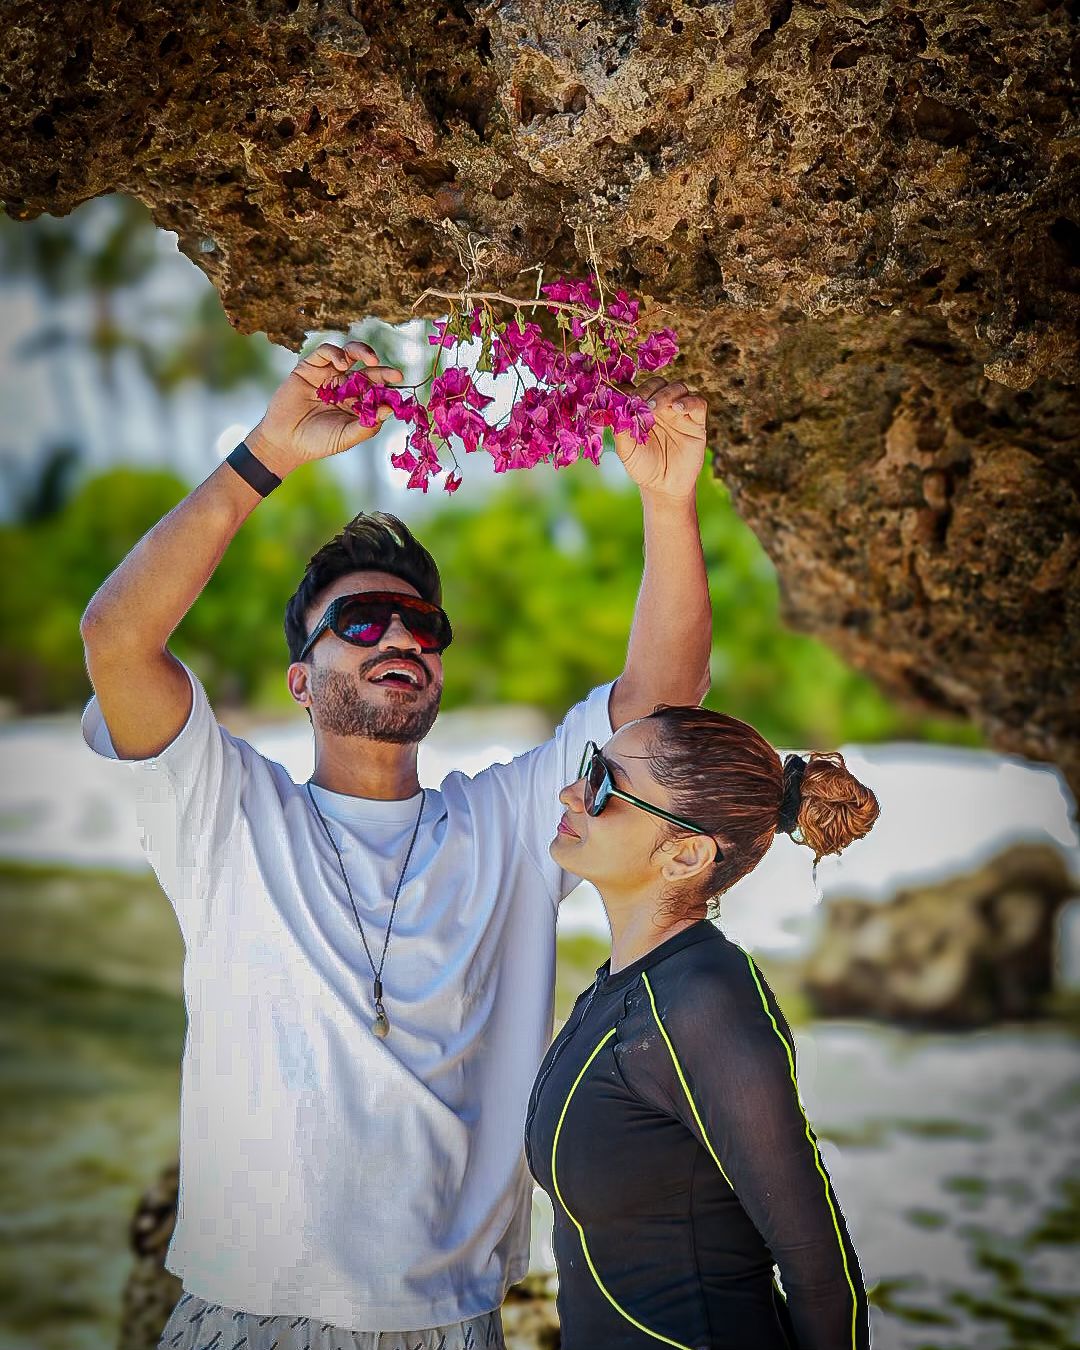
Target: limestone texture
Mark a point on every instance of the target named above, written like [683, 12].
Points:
[862, 217]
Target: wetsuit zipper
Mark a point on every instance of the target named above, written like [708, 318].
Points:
[545, 1069]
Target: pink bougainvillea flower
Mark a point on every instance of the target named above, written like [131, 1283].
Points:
[562, 417]
[636, 418]
[457, 420]
[623, 308]
[440, 337]
[405, 459]
[658, 349]
[511, 342]
[456, 382]
[419, 477]
[620, 370]
[571, 292]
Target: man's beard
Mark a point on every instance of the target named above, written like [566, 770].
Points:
[339, 707]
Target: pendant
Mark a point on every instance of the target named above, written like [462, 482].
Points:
[381, 1025]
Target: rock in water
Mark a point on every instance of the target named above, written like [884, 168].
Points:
[965, 952]
[151, 1291]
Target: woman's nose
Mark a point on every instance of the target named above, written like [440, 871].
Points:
[573, 795]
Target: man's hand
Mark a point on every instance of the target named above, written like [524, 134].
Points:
[298, 427]
[670, 461]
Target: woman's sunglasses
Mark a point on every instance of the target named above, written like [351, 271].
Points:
[364, 617]
[600, 788]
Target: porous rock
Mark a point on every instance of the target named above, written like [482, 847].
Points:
[862, 217]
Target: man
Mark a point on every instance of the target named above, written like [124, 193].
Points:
[368, 966]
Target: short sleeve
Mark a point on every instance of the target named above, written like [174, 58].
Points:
[187, 802]
[725, 1066]
[527, 789]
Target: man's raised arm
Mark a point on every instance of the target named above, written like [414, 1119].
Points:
[671, 636]
[144, 694]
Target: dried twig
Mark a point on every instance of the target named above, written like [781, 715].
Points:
[464, 296]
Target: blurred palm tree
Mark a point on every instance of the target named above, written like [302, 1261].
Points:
[82, 265]
[71, 257]
[206, 358]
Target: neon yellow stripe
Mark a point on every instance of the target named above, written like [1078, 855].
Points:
[682, 1080]
[811, 1140]
[581, 1232]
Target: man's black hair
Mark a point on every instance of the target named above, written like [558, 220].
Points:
[378, 542]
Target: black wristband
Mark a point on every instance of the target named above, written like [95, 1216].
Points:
[253, 471]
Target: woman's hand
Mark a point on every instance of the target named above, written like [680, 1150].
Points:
[670, 460]
[299, 427]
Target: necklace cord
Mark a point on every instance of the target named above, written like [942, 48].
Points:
[356, 913]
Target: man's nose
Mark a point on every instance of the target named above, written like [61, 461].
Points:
[397, 636]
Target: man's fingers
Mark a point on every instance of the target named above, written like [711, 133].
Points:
[360, 351]
[668, 393]
[327, 354]
[341, 358]
[384, 374]
[649, 388]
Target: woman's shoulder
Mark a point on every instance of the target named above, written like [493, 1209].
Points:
[712, 978]
[702, 955]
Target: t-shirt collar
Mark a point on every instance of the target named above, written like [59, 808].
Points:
[348, 810]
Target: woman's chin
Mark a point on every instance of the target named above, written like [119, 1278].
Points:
[565, 849]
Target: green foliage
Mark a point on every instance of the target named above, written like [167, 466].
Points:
[541, 584]
[233, 635]
[53, 566]
[540, 581]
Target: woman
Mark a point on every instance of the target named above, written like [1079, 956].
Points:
[665, 1122]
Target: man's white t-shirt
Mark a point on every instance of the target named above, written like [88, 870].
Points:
[373, 1184]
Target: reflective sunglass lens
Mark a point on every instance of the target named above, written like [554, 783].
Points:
[363, 630]
[595, 794]
[365, 622]
[425, 628]
[362, 623]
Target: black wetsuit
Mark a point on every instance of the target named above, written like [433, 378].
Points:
[665, 1124]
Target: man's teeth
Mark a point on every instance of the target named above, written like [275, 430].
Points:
[411, 675]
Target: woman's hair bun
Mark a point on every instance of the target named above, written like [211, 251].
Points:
[834, 809]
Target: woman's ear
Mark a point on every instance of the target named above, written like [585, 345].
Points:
[688, 856]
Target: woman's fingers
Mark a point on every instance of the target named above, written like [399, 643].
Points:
[677, 399]
[340, 359]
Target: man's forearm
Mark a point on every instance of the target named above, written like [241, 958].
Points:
[141, 603]
[671, 635]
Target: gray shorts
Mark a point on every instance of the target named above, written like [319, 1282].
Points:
[198, 1325]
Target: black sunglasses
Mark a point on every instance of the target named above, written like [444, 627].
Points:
[363, 618]
[600, 788]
